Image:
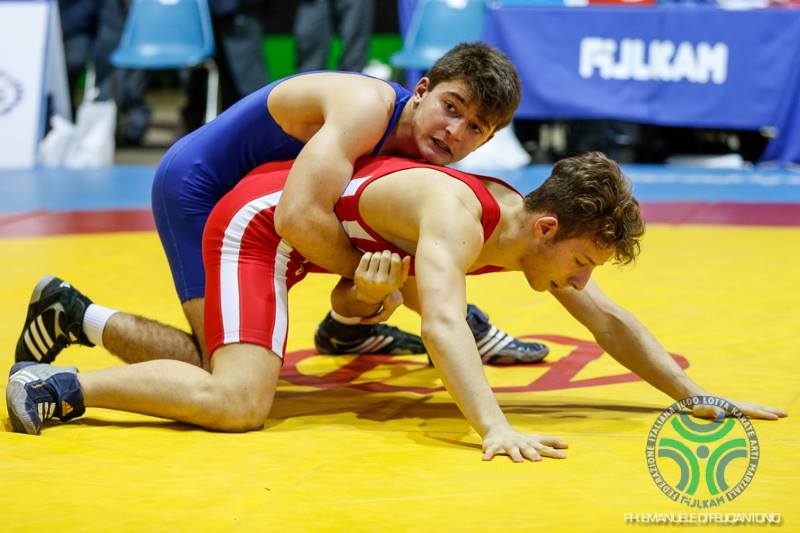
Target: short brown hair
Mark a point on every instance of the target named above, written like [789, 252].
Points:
[489, 75]
[591, 197]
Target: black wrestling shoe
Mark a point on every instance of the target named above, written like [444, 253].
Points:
[54, 321]
[497, 347]
[335, 338]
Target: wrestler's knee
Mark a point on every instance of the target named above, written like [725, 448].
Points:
[243, 386]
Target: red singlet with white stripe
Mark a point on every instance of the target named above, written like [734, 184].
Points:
[250, 269]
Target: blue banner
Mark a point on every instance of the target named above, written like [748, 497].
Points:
[677, 66]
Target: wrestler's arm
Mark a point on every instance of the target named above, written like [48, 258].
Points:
[629, 342]
[353, 122]
[450, 239]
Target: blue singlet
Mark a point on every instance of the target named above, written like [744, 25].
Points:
[204, 165]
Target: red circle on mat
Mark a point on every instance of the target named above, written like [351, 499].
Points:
[558, 375]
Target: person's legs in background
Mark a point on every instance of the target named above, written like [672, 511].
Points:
[238, 35]
[79, 20]
[355, 22]
[239, 38]
[313, 29]
[126, 87]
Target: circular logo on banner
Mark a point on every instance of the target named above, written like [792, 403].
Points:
[702, 463]
[10, 93]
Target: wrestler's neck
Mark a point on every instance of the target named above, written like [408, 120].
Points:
[509, 241]
[400, 140]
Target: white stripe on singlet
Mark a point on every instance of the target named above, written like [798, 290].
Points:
[355, 230]
[229, 262]
[353, 186]
[281, 302]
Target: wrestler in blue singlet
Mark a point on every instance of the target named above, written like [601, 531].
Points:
[204, 165]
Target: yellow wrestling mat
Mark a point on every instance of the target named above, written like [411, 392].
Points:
[373, 444]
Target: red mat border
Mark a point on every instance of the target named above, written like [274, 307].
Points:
[41, 223]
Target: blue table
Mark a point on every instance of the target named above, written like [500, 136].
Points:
[695, 66]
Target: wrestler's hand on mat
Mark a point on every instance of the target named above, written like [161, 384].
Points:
[378, 279]
[750, 410]
[520, 446]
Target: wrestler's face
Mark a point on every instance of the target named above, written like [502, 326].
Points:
[553, 265]
[447, 122]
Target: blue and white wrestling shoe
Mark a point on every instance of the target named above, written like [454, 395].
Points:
[497, 347]
[38, 392]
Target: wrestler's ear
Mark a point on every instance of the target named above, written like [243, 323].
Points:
[421, 88]
[545, 227]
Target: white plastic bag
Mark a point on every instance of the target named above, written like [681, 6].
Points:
[502, 152]
[93, 144]
[57, 142]
[89, 143]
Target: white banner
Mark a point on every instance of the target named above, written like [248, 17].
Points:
[23, 39]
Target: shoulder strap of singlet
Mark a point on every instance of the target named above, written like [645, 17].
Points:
[401, 98]
[376, 167]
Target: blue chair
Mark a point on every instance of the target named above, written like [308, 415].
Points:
[170, 34]
[436, 26]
